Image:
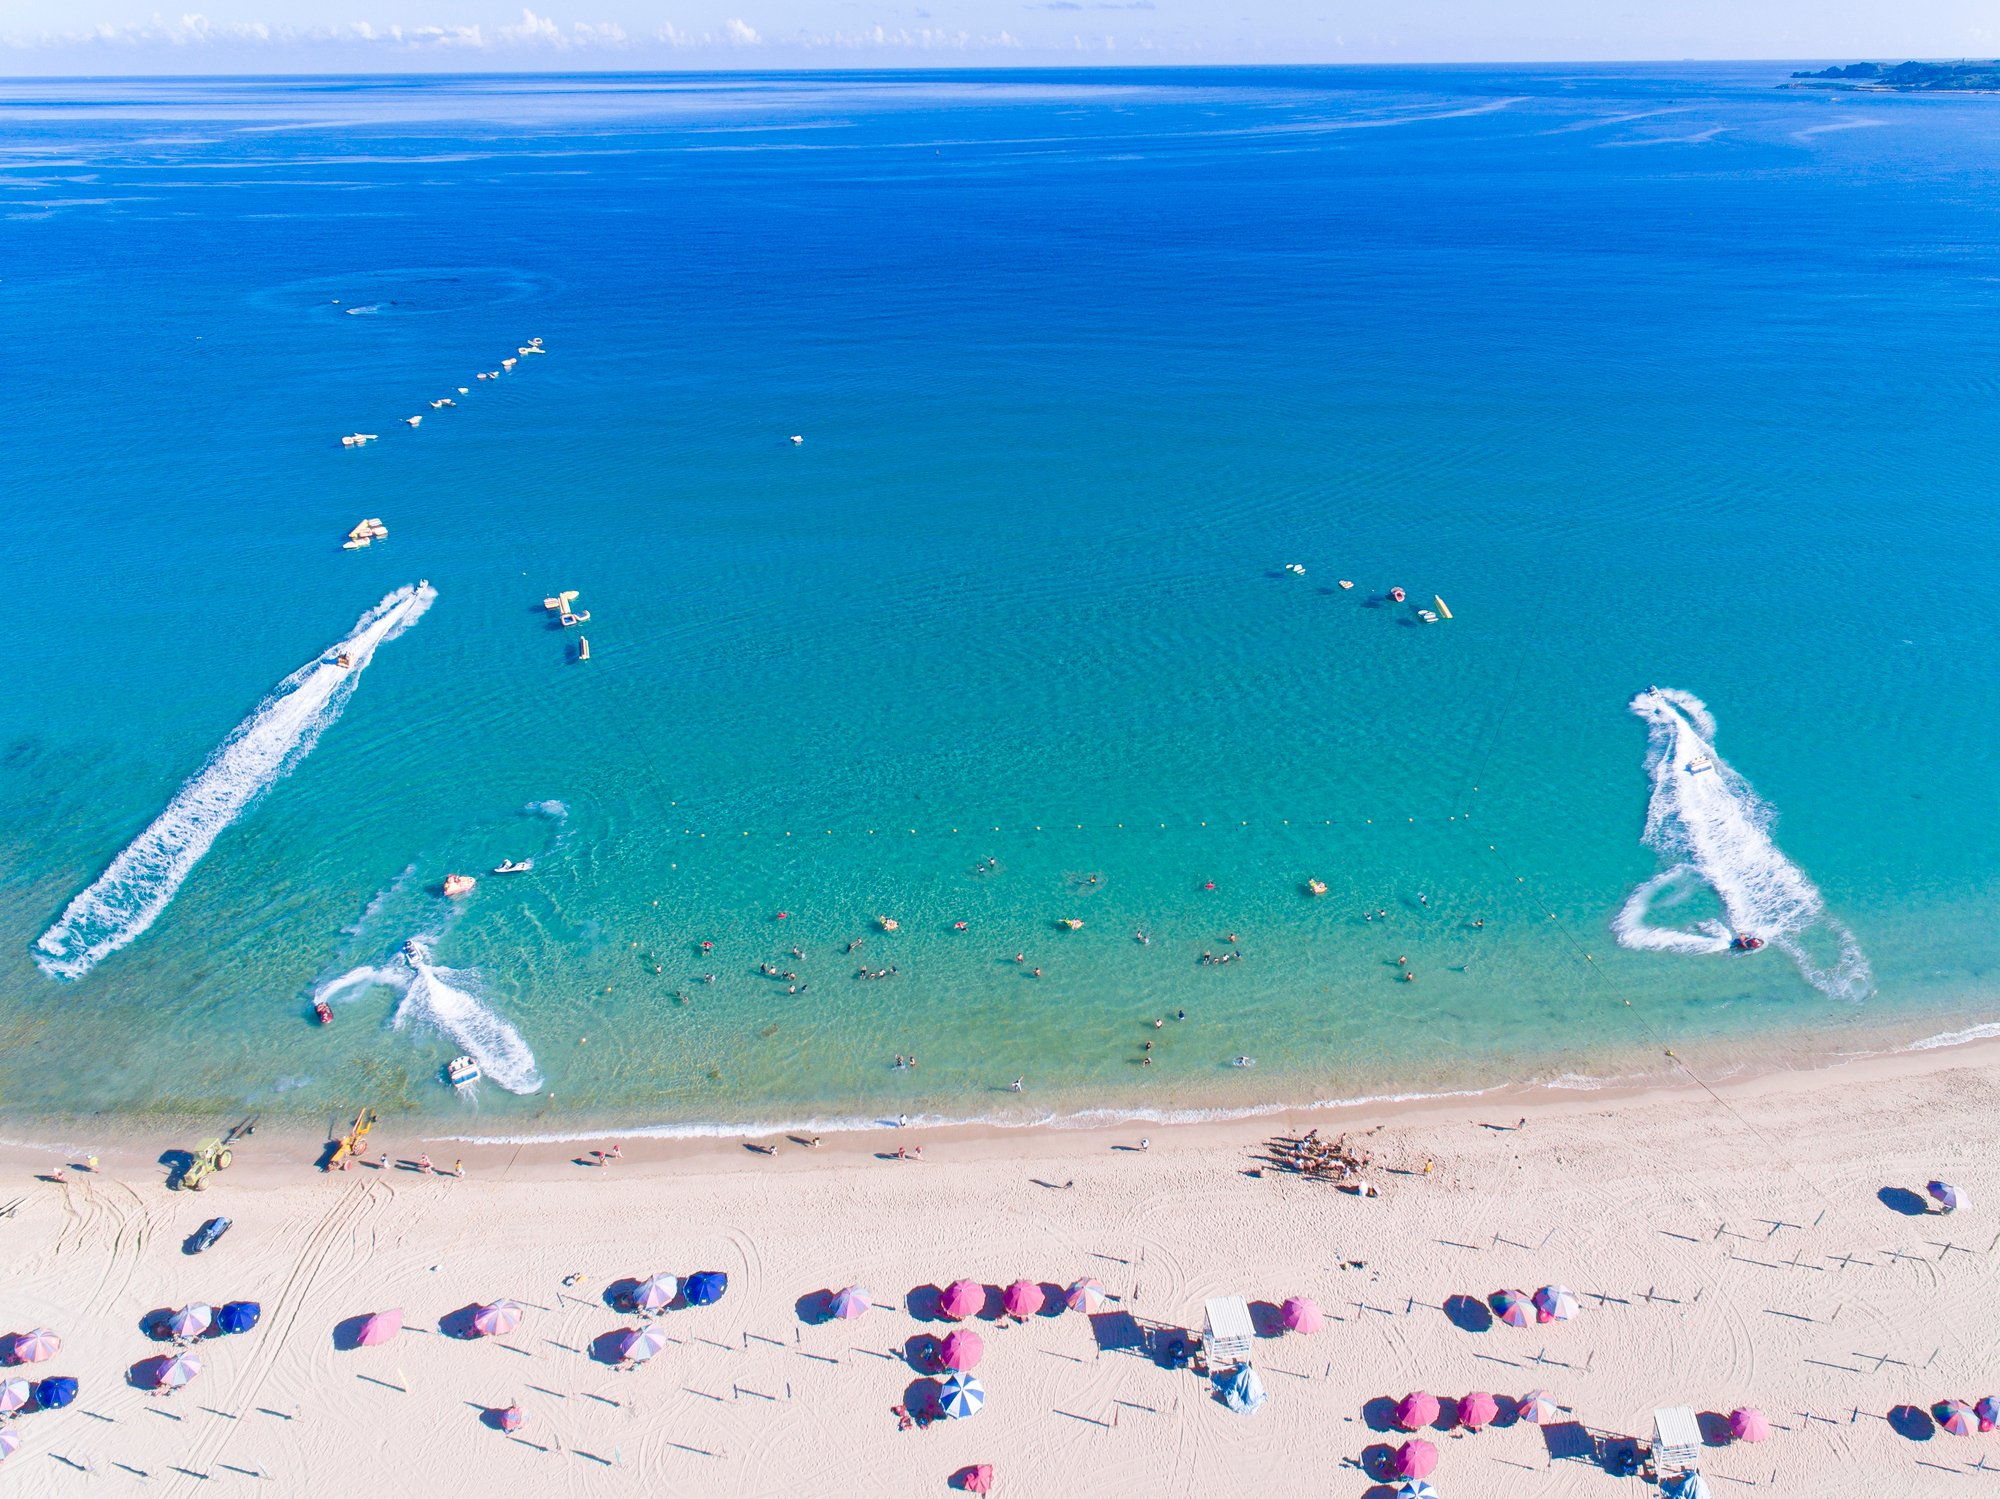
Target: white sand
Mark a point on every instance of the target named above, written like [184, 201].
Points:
[1664, 1205]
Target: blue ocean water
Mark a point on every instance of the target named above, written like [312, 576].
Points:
[1656, 376]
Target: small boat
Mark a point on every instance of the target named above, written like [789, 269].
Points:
[344, 661]
[414, 421]
[1746, 943]
[583, 647]
[1427, 617]
[324, 1011]
[458, 884]
[507, 364]
[1316, 887]
[355, 543]
[1297, 569]
[1398, 595]
[464, 391]
[514, 866]
[461, 1072]
[797, 439]
[357, 439]
[1346, 582]
[1698, 764]
[482, 375]
[887, 923]
[1070, 924]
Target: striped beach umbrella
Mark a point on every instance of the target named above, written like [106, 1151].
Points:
[33, 1347]
[961, 1395]
[1084, 1296]
[656, 1293]
[1415, 1488]
[642, 1343]
[497, 1320]
[1538, 1409]
[1022, 1299]
[1511, 1307]
[1747, 1424]
[1415, 1459]
[1988, 1411]
[1415, 1411]
[176, 1371]
[961, 1349]
[1554, 1304]
[961, 1299]
[1948, 1197]
[1955, 1416]
[1301, 1314]
[15, 1393]
[509, 1419]
[850, 1303]
[704, 1287]
[10, 1441]
[192, 1320]
[1478, 1409]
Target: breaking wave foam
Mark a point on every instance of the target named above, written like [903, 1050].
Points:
[1715, 831]
[442, 998]
[138, 885]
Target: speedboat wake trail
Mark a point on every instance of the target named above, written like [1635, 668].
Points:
[138, 885]
[1712, 829]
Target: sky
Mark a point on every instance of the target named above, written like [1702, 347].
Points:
[232, 36]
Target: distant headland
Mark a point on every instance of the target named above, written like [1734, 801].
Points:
[1906, 77]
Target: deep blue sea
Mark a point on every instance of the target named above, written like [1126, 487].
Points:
[1657, 377]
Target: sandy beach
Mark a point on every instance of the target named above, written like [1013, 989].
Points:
[1762, 1245]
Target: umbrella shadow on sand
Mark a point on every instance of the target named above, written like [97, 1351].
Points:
[1378, 1461]
[1912, 1423]
[620, 1295]
[155, 1325]
[922, 1398]
[1902, 1200]
[1267, 1319]
[1379, 1414]
[609, 1347]
[920, 1352]
[458, 1324]
[815, 1308]
[347, 1332]
[1468, 1313]
[926, 1304]
[146, 1374]
[1715, 1430]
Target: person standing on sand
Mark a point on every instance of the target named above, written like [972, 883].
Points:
[458, 1169]
[424, 1165]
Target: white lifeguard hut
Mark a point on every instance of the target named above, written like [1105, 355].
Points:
[1676, 1440]
[1226, 1340]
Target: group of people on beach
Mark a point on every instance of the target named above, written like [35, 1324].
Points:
[1334, 1160]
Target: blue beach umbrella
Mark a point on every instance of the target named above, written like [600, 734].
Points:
[1948, 1197]
[55, 1392]
[238, 1316]
[705, 1287]
[1415, 1488]
[961, 1395]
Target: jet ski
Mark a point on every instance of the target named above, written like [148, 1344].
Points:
[461, 1072]
[324, 1011]
[1746, 943]
[514, 866]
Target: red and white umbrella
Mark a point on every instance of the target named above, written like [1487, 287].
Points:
[15, 1393]
[509, 1419]
[642, 1344]
[33, 1347]
[656, 1293]
[497, 1320]
[1084, 1296]
[176, 1371]
[192, 1320]
[1538, 1409]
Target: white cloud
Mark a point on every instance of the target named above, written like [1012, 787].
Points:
[741, 34]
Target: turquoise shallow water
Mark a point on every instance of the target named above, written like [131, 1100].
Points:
[1656, 376]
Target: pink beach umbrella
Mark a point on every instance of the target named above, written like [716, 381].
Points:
[1414, 1412]
[192, 1320]
[1537, 1409]
[961, 1299]
[642, 1344]
[33, 1347]
[379, 1327]
[1554, 1304]
[1988, 1411]
[961, 1349]
[497, 1320]
[1301, 1314]
[10, 1441]
[850, 1303]
[1415, 1459]
[1022, 1299]
[1511, 1307]
[1955, 1416]
[979, 1479]
[1747, 1424]
[179, 1370]
[1084, 1296]
[509, 1419]
[1478, 1409]
[656, 1293]
[15, 1393]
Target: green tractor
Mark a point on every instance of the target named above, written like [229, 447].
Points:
[213, 1157]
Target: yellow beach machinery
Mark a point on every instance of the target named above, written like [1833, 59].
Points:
[213, 1157]
[349, 1147]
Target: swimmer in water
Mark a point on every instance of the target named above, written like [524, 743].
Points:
[1018, 1084]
